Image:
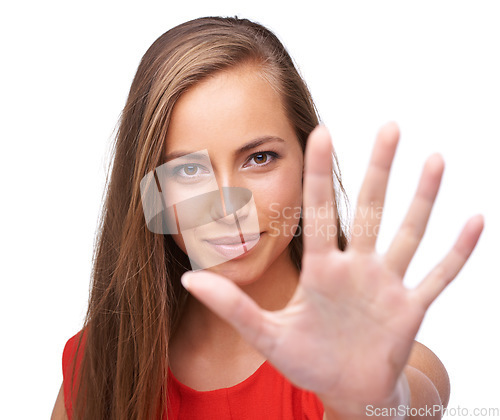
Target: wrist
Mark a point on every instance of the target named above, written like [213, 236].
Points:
[395, 407]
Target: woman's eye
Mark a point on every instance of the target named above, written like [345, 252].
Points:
[190, 169]
[190, 172]
[262, 158]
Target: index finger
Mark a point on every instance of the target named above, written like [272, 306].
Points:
[319, 210]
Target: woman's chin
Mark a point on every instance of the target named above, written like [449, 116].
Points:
[238, 271]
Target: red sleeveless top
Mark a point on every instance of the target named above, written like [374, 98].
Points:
[266, 394]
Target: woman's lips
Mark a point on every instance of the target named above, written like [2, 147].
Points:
[232, 247]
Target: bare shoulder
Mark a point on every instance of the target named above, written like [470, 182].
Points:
[423, 359]
[59, 411]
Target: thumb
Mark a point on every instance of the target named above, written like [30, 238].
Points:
[230, 303]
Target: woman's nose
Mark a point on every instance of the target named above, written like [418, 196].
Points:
[232, 203]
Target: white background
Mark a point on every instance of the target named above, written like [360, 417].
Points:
[432, 66]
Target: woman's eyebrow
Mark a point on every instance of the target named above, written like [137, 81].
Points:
[179, 154]
[248, 146]
[257, 142]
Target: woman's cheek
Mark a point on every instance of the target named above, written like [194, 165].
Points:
[279, 206]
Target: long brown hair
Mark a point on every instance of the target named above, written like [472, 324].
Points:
[136, 296]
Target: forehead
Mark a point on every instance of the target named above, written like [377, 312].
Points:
[226, 110]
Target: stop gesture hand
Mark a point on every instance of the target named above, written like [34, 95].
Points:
[347, 332]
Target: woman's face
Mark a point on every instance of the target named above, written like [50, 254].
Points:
[230, 130]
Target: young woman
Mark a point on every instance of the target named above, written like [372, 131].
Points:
[285, 319]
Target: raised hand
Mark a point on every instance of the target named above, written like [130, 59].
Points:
[347, 332]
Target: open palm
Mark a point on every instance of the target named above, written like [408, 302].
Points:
[347, 332]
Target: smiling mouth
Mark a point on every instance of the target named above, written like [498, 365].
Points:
[233, 240]
[232, 246]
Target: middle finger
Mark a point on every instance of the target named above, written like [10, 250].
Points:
[372, 194]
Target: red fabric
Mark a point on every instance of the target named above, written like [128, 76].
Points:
[71, 353]
[266, 394]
